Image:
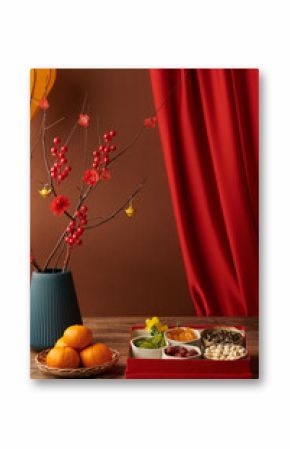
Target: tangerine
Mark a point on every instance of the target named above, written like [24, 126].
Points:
[96, 354]
[63, 357]
[77, 336]
[60, 343]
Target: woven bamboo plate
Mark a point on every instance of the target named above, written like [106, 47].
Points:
[74, 373]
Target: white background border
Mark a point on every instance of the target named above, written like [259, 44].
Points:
[57, 414]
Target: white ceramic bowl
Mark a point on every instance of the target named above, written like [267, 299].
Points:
[191, 357]
[170, 342]
[143, 353]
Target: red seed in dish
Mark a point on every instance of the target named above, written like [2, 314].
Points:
[193, 352]
[180, 352]
[171, 350]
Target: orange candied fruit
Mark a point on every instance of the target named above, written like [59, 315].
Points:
[182, 334]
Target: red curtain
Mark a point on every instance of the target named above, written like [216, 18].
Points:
[208, 123]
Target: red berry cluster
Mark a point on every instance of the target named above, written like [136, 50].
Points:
[59, 170]
[75, 228]
[101, 156]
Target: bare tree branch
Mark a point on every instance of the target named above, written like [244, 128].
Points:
[36, 142]
[85, 194]
[120, 208]
[141, 130]
[98, 130]
[54, 123]
[85, 150]
[45, 158]
[68, 139]
[58, 243]
[124, 150]
[44, 152]
[103, 221]
[40, 131]
[35, 264]
[67, 259]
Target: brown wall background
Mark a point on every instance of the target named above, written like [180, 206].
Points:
[128, 266]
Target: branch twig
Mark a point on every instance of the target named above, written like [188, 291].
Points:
[60, 254]
[58, 243]
[35, 264]
[121, 152]
[39, 134]
[120, 209]
[54, 123]
[67, 141]
[44, 151]
[98, 130]
[139, 133]
[85, 158]
[84, 195]
[67, 259]
[36, 142]
[103, 221]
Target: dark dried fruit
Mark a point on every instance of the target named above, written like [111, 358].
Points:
[221, 336]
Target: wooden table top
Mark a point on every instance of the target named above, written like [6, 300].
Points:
[115, 332]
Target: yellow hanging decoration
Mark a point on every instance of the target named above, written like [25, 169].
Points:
[130, 211]
[45, 191]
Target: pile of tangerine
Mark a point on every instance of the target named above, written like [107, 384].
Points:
[76, 348]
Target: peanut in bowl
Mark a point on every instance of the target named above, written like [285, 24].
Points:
[184, 335]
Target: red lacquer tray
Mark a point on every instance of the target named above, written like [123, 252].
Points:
[188, 369]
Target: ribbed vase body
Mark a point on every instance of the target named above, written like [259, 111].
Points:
[53, 307]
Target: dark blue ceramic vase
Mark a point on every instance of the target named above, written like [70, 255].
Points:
[53, 307]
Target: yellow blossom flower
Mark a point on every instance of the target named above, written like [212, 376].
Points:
[154, 323]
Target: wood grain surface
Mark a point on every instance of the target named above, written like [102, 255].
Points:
[115, 332]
